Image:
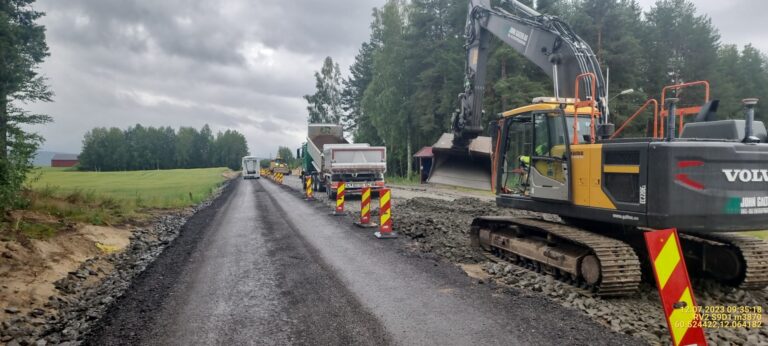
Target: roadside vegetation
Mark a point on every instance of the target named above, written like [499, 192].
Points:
[413, 179]
[59, 198]
[22, 49]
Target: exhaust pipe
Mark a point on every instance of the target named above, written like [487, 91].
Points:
[749, 119]
[671, 117]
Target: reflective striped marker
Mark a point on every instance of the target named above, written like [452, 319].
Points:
[680, 310]
[340, 199]
[385, 212]
[308, 189]
[365, 208]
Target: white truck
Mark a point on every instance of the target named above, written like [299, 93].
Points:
[330, 160]
[251, 169]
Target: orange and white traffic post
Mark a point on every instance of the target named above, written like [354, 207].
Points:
[680, 309]
[365, 209]
[339, 199]
[385, 215]
[308, 188]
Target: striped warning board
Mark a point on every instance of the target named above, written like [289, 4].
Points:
[340, 197]
[308, 188]
[385, 215]
[385, 208]
[683, 317]
[365, 206]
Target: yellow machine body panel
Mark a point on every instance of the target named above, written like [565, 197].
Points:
[545, 106]
[587, 174]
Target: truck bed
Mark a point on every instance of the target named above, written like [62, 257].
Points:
[351, 158]
[315, 146]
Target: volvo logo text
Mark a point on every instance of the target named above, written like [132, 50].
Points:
[746, 175]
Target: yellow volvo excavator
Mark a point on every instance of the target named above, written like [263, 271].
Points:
[561, 155]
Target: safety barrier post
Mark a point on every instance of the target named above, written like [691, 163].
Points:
[385, 215]
[340, 199]
[365, 209]
[279, 178]
[308, 188]
[680, 310]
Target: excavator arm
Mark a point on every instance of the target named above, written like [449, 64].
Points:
[544, 40]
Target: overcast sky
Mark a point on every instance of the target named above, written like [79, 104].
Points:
[238, 64]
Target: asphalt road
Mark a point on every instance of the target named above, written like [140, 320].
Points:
[262, 266]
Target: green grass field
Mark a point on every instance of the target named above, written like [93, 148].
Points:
[62, 196]
[147, 189]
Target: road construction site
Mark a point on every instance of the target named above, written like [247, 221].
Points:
[297, 275]
[433, 223]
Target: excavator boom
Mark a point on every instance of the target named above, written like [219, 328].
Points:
[546, 41]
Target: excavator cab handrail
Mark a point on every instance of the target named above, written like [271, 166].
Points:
[588, 103]
[682, 111]
[638, 112]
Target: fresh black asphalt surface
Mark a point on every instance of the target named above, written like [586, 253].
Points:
[261, 266]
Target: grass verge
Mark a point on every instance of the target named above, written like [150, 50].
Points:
[396, 180]
[58, 198]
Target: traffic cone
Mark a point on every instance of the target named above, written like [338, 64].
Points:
[385, 212]
[365, 209]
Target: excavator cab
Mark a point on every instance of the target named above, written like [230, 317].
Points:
[535, 150]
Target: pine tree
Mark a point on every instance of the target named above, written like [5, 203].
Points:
[360, 76]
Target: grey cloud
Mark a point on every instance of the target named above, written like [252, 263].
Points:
[738, 21]
[182, 63]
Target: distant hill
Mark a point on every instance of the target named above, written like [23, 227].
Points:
[43, 158]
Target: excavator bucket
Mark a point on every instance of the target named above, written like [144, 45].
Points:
[468, 167]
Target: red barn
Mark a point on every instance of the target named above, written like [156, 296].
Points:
[64, 160]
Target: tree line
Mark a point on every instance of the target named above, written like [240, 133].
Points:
[403, 85]
[141, 148]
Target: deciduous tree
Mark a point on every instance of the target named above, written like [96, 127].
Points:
[22, 49]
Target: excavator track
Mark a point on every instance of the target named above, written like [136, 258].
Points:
[618, 267]
[752, 252]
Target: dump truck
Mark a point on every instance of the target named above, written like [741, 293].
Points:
[329, 159]
[251, 169]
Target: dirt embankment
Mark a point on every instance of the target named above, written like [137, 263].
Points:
[54, 291]
[29, 270]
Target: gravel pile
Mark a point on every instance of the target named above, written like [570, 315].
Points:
[441, 227]
[85, 294]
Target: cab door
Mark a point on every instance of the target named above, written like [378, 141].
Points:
[548, 171]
